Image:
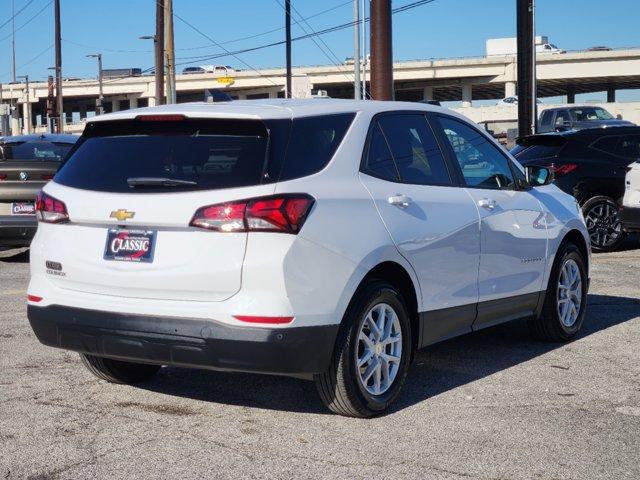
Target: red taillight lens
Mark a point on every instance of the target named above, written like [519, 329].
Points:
[266, 320]
[280, 213]
[34, 298]
[47, 176]
[50, 210]
[560, 170]
[3, 176]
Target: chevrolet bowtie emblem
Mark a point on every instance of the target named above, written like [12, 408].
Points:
[122, 214]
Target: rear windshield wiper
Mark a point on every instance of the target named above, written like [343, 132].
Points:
[158, 182]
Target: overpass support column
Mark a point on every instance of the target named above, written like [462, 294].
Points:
[509, 89]
[466, 95]
[26, 117]
[427, 93]
[83, 111]
[152, 101]
[133, 102]
[115, 104]
[571, 95]
[611, 95]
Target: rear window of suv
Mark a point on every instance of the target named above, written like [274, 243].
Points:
[200, 154]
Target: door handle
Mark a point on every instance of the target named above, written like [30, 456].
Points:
[487, 203]
[399, 200]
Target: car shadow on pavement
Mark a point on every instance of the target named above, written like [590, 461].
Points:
[14, 256]
[436, 369]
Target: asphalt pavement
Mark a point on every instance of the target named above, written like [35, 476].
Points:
[489, 405]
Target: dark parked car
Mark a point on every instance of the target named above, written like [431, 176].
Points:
[576, 118]
[27, 162]
[591, 165]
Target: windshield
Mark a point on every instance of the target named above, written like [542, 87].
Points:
[588, 114]
[43, 151]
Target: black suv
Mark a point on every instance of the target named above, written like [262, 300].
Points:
[576, 118]
[591, 165]
[27, 162]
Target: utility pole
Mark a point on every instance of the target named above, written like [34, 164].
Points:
[287, 24]
[381, 52]
[158, 42]
[364, 50]
[527, 104]
[356, 50]
[100, 101]
[50, 105]
[170, 51]
[58, 68]
[13, 40]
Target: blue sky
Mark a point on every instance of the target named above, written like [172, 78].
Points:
[443, 28]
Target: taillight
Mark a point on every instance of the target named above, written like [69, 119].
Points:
[50, 210]
[47, 176]
[284, 213]
[560, 170]
[3, 176]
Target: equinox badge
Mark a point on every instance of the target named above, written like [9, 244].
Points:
[122, 214]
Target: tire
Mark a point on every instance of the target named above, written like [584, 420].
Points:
[117, 371]
[549, 326]
[341, 387]
[605, 229]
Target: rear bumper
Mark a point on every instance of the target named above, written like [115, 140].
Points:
[184, 342]
[17, 231]
[630, 218]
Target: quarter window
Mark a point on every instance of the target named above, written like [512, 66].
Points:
[379, 159]
[482, 164]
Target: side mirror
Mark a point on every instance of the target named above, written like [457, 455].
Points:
[538, 176]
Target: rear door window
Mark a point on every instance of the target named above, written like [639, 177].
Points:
[414, 149]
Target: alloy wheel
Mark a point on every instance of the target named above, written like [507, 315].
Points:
[603, 224]
[379, 351]
[569, 295]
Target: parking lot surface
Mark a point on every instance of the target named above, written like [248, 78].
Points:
[490, 405]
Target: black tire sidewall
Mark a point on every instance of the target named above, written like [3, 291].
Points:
[380, 292]
[568, 251]
[588, 205]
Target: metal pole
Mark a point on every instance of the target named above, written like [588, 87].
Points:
[534, 74]
[381, 52]
[58, 68]
[364, 51]
[13, 41]
[158, 42]
[526, 68]
[27, 118]
[356, 49]
[50, 106]
[287, 24]
[170, 51]
[100, 105]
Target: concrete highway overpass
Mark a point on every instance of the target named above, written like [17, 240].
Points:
[462, 79]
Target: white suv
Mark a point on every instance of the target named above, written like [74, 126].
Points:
[630, 209]
[324, 239]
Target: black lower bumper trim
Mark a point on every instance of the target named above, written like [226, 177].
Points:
[184, 342]
[630, 218]
[18, 232]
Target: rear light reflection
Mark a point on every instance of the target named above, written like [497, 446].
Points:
[3, 176]
[266, 320]
[50, 209]
[560, 170]
[279, 213]
[34, 298]
[47, 176]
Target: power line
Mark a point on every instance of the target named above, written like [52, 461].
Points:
[31, 60]
[335, 28]
[17, 13]
[234, 55]
[27, 22]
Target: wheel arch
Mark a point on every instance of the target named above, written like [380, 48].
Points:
[577, 238]
[396, 275]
